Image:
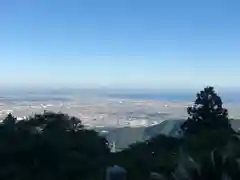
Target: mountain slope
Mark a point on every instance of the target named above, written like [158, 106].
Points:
[125, 136]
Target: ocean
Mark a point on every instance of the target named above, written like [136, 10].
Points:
[65, 95]
[226, 97]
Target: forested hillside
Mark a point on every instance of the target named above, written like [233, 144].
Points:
[55, 146]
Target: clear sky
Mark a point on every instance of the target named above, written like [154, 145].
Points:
[131, 43]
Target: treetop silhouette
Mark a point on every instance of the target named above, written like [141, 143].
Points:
[206, 113]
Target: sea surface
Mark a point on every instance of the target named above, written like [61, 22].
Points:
[226, 97]
[65, 95]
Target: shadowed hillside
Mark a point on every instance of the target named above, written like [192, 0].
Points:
[123, 137]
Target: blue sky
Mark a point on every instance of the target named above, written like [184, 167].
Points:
[130, 43]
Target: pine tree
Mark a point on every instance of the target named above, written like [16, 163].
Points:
[206, 113]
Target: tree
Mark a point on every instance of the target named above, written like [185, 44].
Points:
[206, 113]
[50, 146]
[216, 166]
[158, 154]
[9, 122]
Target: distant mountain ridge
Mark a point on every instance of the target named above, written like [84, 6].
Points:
[125, 136]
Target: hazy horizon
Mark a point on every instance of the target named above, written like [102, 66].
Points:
[162, 94]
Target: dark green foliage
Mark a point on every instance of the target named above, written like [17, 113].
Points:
[9, 123]
[53, 146]
[50, 146]
[205, 141]
[206, 113]
[157, 154]
[207, 134]
[215, 166]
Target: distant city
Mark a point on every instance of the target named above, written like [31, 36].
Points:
[111, 108]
